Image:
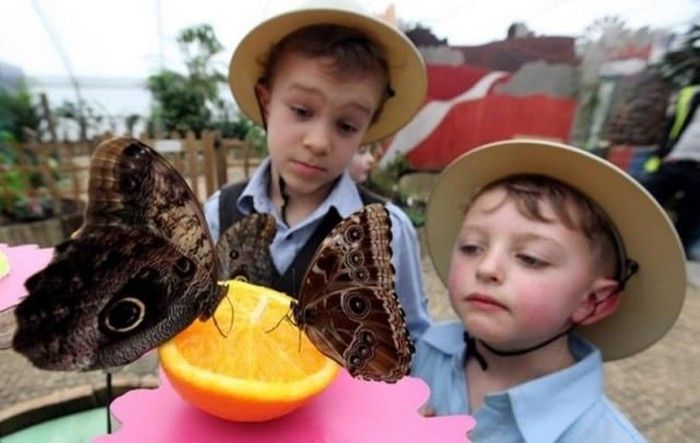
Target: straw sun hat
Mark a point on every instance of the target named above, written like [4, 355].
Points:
[407, 73]
[652, 298]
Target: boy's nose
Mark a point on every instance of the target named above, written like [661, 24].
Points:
[318, 139]
[489, 269]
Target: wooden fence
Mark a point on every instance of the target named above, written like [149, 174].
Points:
[206, 163]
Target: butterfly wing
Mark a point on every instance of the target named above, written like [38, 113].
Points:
[244, 249]
[348, 305]
[139, 270]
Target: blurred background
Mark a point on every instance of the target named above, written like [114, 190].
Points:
[597, 74]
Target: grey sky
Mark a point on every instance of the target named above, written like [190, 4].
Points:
[120, 37]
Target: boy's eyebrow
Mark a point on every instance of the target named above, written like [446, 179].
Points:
[521, 237]
[359, 105]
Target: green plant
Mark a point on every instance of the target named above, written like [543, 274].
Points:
[23, 196]
[189, 102]
[17, 112]
[386, 182]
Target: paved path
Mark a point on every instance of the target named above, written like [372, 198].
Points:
[659, 389]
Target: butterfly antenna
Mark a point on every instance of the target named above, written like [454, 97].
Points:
[299, 341]
[286, 316]
[233, 313]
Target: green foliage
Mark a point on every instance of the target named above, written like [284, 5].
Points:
[386, 182]
[22, 194]
[181, 105]
[17, 111]
[130, 122]
[189, 102]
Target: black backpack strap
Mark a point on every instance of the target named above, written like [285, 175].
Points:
[228, 208]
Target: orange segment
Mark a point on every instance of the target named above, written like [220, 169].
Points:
[261, 370]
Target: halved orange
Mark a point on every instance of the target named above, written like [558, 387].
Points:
[263, 369]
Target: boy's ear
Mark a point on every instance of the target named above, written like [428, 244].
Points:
[600, 302]
[262, 92]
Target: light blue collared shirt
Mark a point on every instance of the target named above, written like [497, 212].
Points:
[345, 198]
[565, 406]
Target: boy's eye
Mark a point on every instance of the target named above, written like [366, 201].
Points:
[532, 262]
[301, 111]
[469, 249]
[347, 128]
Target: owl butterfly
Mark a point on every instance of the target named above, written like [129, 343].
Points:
[139, 270]
[347, 304]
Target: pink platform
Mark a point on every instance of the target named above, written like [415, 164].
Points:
[348, 411]
[25, 261]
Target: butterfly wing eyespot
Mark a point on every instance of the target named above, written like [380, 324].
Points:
[125, 315]
[353, 233]
[356, 306]
[357, 319]
[355, 258]
[360, 275]
[184, 267]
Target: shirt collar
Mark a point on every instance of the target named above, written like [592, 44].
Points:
[344, 196]
[535, 403]
[446, 338]
[254, 195]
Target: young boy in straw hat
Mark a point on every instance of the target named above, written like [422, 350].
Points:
[554, 261]
[322, 81]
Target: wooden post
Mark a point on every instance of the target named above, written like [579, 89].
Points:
[192, 162]
[209, 159]
[49, 117]
[220, 151]
[246, 158]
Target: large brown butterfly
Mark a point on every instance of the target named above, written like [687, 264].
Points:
[347, 303]
[139, 270]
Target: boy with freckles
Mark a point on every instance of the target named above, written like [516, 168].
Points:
[322, 81]
[554, 261]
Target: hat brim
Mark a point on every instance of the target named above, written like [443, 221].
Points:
[407, 72]
[652, 298]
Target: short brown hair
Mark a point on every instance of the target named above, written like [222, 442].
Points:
[350, 52]
[574, 209]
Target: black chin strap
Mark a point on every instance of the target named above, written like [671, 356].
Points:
[473, 351]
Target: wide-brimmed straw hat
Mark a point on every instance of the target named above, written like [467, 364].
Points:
[407, 73]
[652, 298]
